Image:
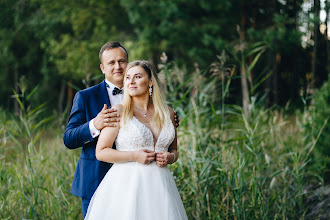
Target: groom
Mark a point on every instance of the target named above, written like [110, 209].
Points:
[90, 113]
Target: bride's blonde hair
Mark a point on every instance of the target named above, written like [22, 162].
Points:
[161, 115]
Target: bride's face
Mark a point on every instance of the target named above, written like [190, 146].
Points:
[137, 82]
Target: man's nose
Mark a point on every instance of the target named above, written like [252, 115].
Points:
[117, 65]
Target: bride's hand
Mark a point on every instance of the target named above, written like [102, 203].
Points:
[144, 156]
[163, 158]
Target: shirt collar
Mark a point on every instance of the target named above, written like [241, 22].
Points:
[112, 86]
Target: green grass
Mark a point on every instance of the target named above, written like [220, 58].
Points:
[249, 170]
[229, 167]
[36, 184]
[252, 169]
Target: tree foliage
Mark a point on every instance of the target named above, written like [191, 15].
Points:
[55, 44]
[186, 30]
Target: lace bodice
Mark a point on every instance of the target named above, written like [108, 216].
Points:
[136, 136]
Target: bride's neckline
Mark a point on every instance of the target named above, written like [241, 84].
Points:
[153, 139]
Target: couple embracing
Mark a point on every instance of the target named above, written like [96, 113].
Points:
[136, 138]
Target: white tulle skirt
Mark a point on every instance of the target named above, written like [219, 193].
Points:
[137, 191]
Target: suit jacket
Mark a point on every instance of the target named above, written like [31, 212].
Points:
[89, 172]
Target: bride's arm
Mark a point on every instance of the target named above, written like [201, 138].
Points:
[104, 151]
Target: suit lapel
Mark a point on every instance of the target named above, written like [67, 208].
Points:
[103, 93]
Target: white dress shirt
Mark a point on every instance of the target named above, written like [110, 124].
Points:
[114, 100]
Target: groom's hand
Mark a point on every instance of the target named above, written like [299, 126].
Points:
[176, 119]
[106, 118]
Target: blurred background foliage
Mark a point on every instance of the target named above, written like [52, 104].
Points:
[249, 79]
[55, 44]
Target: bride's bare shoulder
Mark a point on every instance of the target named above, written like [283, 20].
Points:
[118, 107]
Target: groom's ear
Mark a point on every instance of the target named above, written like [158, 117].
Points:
[102, 68]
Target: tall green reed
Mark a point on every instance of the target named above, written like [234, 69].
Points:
[26, 126]
[35, 175]
[229, 167]
[233, 167]
[37, 185]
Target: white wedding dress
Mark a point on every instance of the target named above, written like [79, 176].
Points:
[136, 191]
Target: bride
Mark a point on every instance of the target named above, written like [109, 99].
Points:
[139, 185]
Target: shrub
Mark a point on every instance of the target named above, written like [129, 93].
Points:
[317, 127]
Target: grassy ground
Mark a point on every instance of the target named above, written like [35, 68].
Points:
[229, 167]
[252, 169]
[35, 183]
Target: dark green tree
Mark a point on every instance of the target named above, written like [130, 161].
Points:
[188, 31]
[20, 51]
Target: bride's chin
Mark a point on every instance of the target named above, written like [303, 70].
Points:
[134, 94]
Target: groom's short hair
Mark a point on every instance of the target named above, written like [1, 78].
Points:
[111, 45]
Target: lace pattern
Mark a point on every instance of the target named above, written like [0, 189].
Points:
[136, 136]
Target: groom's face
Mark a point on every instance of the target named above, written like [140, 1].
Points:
[114, 62]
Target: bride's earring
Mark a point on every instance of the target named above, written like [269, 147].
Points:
[150, 91]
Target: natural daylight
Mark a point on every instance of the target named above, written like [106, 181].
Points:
[169, 109]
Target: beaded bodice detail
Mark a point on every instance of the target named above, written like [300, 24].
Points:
[136, 136]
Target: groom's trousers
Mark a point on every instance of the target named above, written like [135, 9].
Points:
[85, 203]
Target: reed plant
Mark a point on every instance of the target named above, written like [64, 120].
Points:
[36, 184]
[233, 167]
[229, 167]
[35, 170]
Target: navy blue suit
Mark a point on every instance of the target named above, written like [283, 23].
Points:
[89, 172]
